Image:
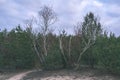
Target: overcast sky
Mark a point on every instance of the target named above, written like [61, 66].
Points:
[69, 12]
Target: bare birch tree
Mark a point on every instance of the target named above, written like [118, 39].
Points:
[33, 36]
[65, 49]
[88, 30]
[46, 18]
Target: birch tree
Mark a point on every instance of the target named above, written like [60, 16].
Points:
[65, 48]
[89, 30]
[47, 17]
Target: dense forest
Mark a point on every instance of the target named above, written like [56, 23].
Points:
[90, 46]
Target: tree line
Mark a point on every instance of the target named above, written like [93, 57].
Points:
[90, 46]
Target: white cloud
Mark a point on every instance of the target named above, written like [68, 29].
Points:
[69, 11]
[98, 4]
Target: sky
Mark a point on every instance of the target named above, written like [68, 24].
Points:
[69, 12]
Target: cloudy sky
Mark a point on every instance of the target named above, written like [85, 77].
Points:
[69, 12]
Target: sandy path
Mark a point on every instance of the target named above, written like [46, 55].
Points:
[86, 74]
[20, 75]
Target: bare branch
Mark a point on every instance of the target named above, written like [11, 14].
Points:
[61, 44]
[69, 50]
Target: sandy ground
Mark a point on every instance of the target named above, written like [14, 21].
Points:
[19, 76]
[14, 75]
[70, 75]
[83, 74]
[5, 76]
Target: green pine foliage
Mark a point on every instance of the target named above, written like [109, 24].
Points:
[17, 52]
[108, 51]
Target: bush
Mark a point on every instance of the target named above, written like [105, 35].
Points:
[53, 60]
[109, 57]
[16, 51]
[90, 58]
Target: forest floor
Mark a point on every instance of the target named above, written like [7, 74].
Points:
[83, 74]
